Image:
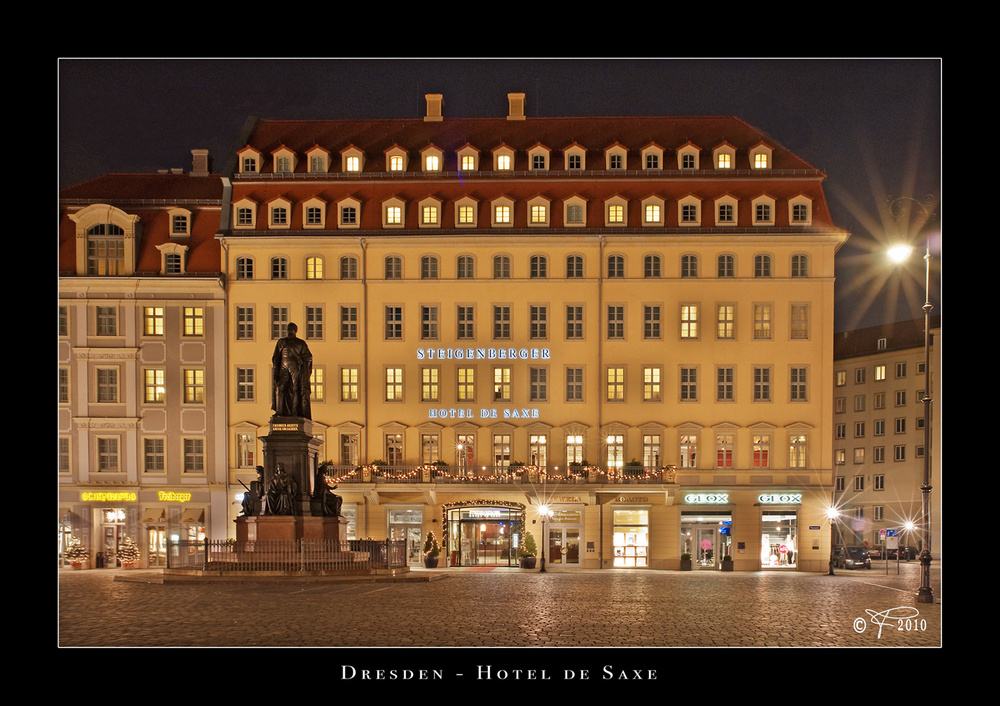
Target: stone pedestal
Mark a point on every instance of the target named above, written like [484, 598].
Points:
[291, 443]
[286, 528]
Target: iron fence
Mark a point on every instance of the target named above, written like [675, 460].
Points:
[287, 555]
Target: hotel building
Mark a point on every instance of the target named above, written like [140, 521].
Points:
[613, 333]
[141, 358]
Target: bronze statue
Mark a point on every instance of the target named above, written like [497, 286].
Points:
[282, 492]
[252, 504]
[291, 371]
[322, 492]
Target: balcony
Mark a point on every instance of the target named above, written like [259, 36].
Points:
[378, 473]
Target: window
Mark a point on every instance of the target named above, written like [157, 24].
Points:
[762, 322]
[538, 267]
[428, 267]
[393, 323]
[800, 266]
[501, 322]
[501, 267]
[152, 321]
[279, 268]
[689, 321]
[797, 451]
[393, 384]
[574, 384]
[348, 267]
[245, 388]
[761, 384]
[348, 215]
[107, 455]
[314, 323]
[651, 450]
[761, 451]
[194, 321]
[194, 455]
[466, 384]
[799, 324]
[689, 266]
[859, 483]
[616, 214]
[394, 449]
[726, 213]
[615, 385]
[726, 266]
[574, 267]
[574, 214]
[616, 322]
[154, 455]
[393, 215]
[466, 323]
[688, 451]
[574, 322]
[724, 386]
[616, 267]
[279, 322]
[466, 267]
[429, 215]
[762, 266]
[501, 385]
[393, 267]
[155, 386]
[194, 386]
[651, 322]
[538, 386]
[466, 215]
[724, 451]
[428, 323]
[651, 267]
[314, 267]
[725, 320]
[107, 321]
[244, 268]
[651, 386]
[244, 323]
[502, 214]
[689, 384]
[430, 386]
[538, 322]
[106, 250]
[349, 384]
[797, 386]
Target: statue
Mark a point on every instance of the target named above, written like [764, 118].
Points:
[282, 492]
[291, 371]
[322, 492]
[252, 499]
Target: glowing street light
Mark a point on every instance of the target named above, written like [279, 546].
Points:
[544, 511]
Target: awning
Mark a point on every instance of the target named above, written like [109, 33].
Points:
[154, 515]
[193, 516]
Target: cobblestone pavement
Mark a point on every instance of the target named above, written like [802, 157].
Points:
[507, 608]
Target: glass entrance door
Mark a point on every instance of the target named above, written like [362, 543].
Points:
[706, 538]
[564, 546]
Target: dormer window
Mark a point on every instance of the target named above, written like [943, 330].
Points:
[575, 157]
[314, 213]
[284, 160]
[433, 159]
[245, 214]
[724, 157]
[760, 157]
[763, 211]
[279, 214]
[430, 213]
[249, 160]
[800, 211]
[615, 157]
[395, 159]
[652, 211]
[575, 211]
[393, 211]
[725, 211]
[538, 158]
[352, 159]
[180, 222]
[689, 211]
[172, 258]
[652, 157]
[503, 158]
[503, 212]
[319, 160]
[468, 158]
[687, 157]
[538, 211]
[615, 211]
[349, 213]
[466, 212]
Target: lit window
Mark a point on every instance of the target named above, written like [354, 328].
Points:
[353, 164]
[396, 163]
[724, 161]
[760, 161]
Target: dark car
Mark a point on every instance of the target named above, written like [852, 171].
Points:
[904, 553]
[851, 558]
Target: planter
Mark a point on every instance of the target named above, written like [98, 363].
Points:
[527, 562]
[430, 562]
[686, 565]
[727, 565]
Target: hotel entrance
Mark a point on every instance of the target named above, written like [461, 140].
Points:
[484, 536]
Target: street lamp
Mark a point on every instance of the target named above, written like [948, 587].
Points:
[900, 253]
[832, 514]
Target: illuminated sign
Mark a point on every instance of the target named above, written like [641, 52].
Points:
[780, 498]
[483, 354]
[706, 498]
[108, 497]
[171, 496]
[484, 413]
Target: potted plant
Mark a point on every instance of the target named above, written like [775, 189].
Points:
[527, 551]
[129, 554]
[431, 551]
[727, 563]
[685, 562]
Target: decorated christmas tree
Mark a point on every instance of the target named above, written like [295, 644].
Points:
[76, 553]
[128, 552]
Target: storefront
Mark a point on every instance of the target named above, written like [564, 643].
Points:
[706, 536]
[406, 525]
[778, 539]
[564, 529]
[630, 537]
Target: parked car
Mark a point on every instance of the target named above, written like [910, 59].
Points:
[876, 552]
[904, 553]
[851, 558]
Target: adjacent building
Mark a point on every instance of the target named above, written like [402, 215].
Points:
[141, 358]
[613, 333]
[880, 380]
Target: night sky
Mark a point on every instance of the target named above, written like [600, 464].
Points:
[873, 126]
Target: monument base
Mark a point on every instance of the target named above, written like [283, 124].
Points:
[288, 527]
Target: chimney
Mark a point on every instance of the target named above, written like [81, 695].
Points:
[516, 101]
[202, 163]
[434, 103]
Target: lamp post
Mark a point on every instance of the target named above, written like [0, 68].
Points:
[832, 514]
[898, 254]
